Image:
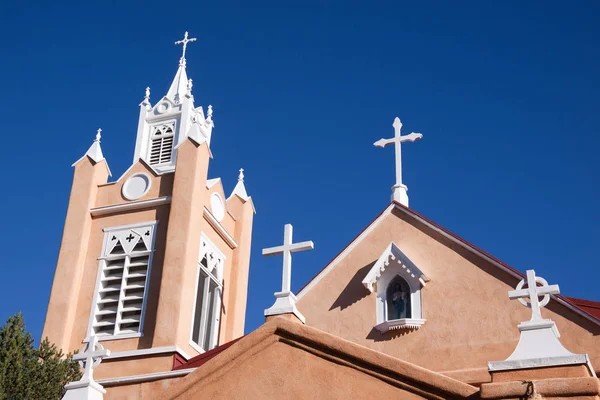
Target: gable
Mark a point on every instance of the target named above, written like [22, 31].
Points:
[284, 359]
[469, 318]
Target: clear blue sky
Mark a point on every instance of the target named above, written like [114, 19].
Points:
[506, 95]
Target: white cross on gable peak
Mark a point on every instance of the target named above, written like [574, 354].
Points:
[287, 249]
[399, 190]
[184, 42]
[533, 291]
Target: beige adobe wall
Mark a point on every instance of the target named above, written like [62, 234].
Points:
[61, 315]
[139, 391]
[470, 319]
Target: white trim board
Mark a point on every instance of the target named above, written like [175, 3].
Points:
[147, 352]
[130, 206]
[473, 250]
[219, 228]
[123, 380]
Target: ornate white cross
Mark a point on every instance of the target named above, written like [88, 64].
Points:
[287, 249]
[532, 292]
[90, 358]
[184, 42]
[398, 190]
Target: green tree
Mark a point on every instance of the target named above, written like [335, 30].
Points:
[27, 373]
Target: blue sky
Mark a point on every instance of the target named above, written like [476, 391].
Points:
[505, 94]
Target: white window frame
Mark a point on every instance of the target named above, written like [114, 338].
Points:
[162, 167]
[214, 337]
[101, 263]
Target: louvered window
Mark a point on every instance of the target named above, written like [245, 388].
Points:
[207, 306]
[123, 281]
[161, 143]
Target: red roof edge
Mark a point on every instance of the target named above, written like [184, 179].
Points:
[203, 358]
[590, 308]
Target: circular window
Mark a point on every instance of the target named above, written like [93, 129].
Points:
[136, 186]
[217, 207]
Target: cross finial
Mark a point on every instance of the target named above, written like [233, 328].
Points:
[241, 175]
[184, 42]
[98, 135]
[398, 190]
[532, 292]
[90, 358]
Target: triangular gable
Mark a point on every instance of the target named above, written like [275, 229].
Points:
[393, 252]
[447, 234]
[282, 357]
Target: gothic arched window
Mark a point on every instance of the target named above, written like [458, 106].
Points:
[161, 143]
[207, 306]
[398, 299]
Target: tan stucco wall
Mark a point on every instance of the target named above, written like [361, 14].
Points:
[138, 391]
[470, 319]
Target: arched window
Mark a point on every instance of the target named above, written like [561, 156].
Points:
[398, 299]
[161, 143]
[207, 306]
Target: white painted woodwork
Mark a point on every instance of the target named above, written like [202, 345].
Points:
[89, 358]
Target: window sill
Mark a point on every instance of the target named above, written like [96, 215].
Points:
[117, 337]
[404, 323]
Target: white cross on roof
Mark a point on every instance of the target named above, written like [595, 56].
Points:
[532, 292]
[90, 358]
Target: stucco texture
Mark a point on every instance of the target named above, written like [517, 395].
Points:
[469, 318]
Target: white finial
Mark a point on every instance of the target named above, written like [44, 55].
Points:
[185, 41]
[98, 135]
[399, 190]
[209, 113]
[90, 357]
[285, 300]
[241, 175]
[189, 86]
[147, 95]
[532, 292]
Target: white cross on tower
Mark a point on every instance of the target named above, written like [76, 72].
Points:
[285, 300]
[399, 191]
[532, 292]
[90, 358]
[184, 42]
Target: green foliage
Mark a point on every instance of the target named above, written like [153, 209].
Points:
[27, 373]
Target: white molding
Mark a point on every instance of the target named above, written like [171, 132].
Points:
[345, 252]
[129, 226]
[132, 205]
[146, 352]
[219, 228]
[542, 362]
[123, 380]
[403, 323]
[478, 253]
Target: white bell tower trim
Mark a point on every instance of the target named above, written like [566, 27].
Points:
[399, 190]
[176, 108]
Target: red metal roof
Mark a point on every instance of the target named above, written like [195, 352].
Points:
[590, 307]
[197, 361]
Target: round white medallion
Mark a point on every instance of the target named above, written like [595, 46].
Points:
[217, 208]
[136, 186]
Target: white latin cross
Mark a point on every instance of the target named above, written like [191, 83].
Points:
[397, 141]
[287, 249]
[90, 358]
[184, 42]
[532, 292]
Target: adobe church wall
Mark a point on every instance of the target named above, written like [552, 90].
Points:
[469, 318]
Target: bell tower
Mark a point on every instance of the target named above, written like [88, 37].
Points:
[154, 264]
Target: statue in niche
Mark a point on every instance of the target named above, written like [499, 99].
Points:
[398, 299]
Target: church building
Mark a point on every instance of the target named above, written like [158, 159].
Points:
[152, 280]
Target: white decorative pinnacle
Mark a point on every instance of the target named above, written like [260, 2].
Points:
[285, 300]
[190, 83]
[241, 175]
[209, 113]
[98, 135]
[147, 95]
[533, 292]
[399, 190]
[184, 42]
